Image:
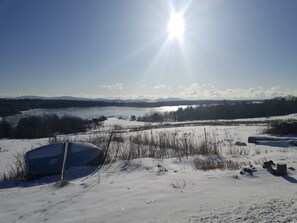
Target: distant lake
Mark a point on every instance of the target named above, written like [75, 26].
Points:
[91, 112]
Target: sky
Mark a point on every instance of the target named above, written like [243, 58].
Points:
[229, 49]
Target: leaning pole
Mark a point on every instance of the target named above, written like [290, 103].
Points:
[64, 161]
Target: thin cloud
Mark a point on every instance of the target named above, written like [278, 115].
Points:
[196, 91]
[161, 86]
[118, 86]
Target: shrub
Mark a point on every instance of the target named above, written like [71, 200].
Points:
[97, 122]
[152, 117]
[283, 128]
[102, 118]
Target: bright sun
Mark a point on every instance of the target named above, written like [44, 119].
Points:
[176, 26]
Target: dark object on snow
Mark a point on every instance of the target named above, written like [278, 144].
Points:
[291, 168]
[161, 170]
[281, 169]
[253, 168]
[240, 144]
[257, 139]
[272, 171]
[248, 170]
[48, 160]
[273, 141]
[268, 164]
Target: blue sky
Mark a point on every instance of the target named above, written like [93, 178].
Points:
[121, 49]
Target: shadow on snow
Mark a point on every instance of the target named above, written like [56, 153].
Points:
[71, 174]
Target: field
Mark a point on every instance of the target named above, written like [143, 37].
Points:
[185, 172]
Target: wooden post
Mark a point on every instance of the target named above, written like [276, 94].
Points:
[106, 151]
[281, 169]
[205, 138]
[64, 160]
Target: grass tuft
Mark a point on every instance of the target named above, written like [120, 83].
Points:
[211, 164]
[178, 183]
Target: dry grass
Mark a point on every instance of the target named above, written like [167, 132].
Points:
[16, 170]
[170, 144]
[260, 162]
[178, 183]
[242, 151]
[164, 144]
[212, 164]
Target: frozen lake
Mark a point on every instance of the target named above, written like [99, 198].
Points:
[91, 112]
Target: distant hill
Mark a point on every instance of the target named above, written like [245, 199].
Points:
[94, 99]
[55, 98]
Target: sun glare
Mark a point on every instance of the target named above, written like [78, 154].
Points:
[176, 26]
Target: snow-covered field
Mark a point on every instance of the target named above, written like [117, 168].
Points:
[168, 190]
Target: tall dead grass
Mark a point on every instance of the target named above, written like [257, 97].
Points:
[16, 170]
[211, 164]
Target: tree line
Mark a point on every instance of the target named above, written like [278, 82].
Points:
[43, 126]
[9, 107]
[227, 110]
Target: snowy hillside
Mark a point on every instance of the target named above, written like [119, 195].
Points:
[160, 190]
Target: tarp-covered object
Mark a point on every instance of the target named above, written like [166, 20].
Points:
[48, 160]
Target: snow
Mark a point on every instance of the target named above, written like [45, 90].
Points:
[47, 151]
[123, 123]
[79, 147]
[152, 190]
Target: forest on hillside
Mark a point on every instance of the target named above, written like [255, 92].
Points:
[227, 110]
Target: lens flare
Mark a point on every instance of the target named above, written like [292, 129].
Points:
[176, 26]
